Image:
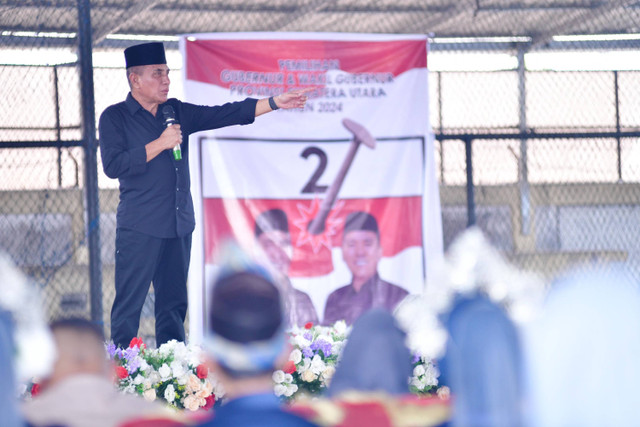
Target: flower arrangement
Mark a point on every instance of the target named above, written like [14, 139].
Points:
[424, 379]
[316, 352]
[174, 373]
[313, 360]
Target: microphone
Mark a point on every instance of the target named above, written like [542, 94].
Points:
[169, 120]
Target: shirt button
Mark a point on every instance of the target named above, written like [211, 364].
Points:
[176, 169]
[177, 208]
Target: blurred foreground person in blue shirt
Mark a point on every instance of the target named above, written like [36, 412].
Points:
[483, 365]
[583, 352]
[246, 342]
[144, 143]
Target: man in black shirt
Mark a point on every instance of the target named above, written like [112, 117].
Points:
[155, 216]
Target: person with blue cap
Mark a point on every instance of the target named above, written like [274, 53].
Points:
[245, 342]
[144, 144]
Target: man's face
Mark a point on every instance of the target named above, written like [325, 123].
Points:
[361, 252]
[276, 245]
[152, 84]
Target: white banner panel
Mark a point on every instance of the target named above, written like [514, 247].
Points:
[294, 161]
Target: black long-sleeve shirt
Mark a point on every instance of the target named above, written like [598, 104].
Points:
[155, 196]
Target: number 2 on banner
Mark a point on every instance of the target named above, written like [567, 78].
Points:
[311, 185]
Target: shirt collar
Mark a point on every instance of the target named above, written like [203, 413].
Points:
[132, 105]
[373, 280]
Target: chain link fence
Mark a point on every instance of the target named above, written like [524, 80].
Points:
[554, 148]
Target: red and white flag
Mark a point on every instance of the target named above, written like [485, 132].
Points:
[288, 159]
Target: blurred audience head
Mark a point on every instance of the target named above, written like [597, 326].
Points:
[245, 335]
[583, 352]
[375, 357]
[482, 364]
[80, 349]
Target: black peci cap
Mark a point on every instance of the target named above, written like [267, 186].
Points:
[145, 54]
[270, 220]
[361, 221]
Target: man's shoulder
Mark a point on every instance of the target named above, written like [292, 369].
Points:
[114, 109]
[341, 292]
[393, 288]
[301, 295]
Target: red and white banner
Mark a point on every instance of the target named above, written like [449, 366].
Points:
[292, 159]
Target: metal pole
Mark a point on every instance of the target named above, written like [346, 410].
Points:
[91, 162]
[56, 99]
[441, 127]
[618, 143]
[471, 202]
[525, 196]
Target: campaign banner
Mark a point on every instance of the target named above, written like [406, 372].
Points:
[360, 149]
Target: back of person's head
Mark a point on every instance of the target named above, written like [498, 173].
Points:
[482, 364]
[583, 352]
[375, 357]
[246, 324]
[80, 349]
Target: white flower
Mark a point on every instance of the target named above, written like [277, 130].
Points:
[295, 356]
[138, 379]
[418, 371]
[431, 375]
[164, 372]
[328, 373]
[280, 389]
[170, 393]
[278, 376]
[317, 365]
[155, 377]
[182, 380]
[149, 395]
[308, 376]
[219, 390]
[143, 364]
[167, 348]
[288, 378]
[177, 368]
[291, 388]
[22, 389]
[325, 338]
[340, 327]
[146, 384]
[194, 357]
[301, 342]
[180, 351]
[418, 383]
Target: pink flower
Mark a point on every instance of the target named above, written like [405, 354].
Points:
[289, 367]
[122, 372]
[136, 341]
[210, 400]
[308, 325]
[35, 389]
[202, 371]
